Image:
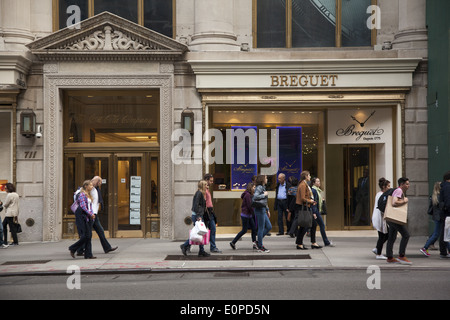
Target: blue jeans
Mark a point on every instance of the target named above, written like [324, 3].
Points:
[435, 236]
[186, 243]
[212, 235]
[263, 223]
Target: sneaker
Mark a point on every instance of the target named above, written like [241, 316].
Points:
[183, 249]
[374, 250]
[404, 260]
[255, 245]
[262, 249]
[392, 260]
[331, 244]
[425, 252]
[232, 245]
[445, 257]
[215, 250]
[203, 254]
[4, 246]
[380, 257]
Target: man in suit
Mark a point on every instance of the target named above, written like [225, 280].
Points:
[362, 211]
[281, 203]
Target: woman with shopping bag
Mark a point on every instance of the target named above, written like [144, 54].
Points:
[198, 210]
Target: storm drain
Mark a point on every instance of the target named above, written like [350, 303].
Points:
[10, 263]
[217, 257]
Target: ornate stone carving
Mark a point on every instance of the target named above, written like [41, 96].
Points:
[109, 39]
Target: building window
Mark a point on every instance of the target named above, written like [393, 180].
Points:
[312, 23]
[157, 15]
[111, 116]
[300, 135]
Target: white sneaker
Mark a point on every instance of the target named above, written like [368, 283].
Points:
[381, 257]
[4, 246]
[374, 250]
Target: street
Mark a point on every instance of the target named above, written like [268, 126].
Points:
[308, 284]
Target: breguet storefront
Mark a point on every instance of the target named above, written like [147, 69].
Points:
[340, 119]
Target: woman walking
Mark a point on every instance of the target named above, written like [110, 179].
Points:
[11, 206]
[378, 222]
[317, 216]
[304, 199]
[262, 212]
[198, 210]
[84, 219]
[247, 216]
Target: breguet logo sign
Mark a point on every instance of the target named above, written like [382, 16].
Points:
[359, 126]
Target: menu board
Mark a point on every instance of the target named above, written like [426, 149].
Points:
[135, 200]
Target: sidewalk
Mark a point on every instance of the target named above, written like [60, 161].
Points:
[353, 250]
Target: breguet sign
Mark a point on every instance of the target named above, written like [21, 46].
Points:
[304, 80]
[360, 126]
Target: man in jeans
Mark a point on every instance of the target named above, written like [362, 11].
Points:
[398, 199]
[445, 203]
[210, 216]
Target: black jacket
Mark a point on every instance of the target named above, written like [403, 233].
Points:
[199, 204]
[445, 198]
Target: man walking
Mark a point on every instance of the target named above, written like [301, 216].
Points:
[210, 216]
[398, 199]
[281, 202]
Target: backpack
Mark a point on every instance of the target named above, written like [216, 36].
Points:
[381, 205]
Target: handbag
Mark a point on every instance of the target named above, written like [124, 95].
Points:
[304, 217]
[324, 208]
[18, 228]
[398, 215]
[258, 203]
[447, 230]
[74, 206]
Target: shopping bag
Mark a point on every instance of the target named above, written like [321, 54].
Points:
[194, 237]
[201, 227]
[204, 239]
[398, 215]
[447, 230]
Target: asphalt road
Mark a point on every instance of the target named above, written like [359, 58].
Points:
[354, 284]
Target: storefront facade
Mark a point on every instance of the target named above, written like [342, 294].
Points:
[346, 126]
[110, 93]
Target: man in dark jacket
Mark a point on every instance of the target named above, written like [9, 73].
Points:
[445, 206]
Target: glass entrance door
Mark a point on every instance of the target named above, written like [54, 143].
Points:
[357, 186]
[129, 191]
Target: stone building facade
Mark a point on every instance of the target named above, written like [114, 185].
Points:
[221, 60]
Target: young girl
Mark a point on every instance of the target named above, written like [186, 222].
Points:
[377, 220]
[247, 216]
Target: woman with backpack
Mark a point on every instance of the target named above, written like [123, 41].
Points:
[378, 222]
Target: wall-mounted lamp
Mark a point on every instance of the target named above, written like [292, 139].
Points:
[28, 123]
[187, 120]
